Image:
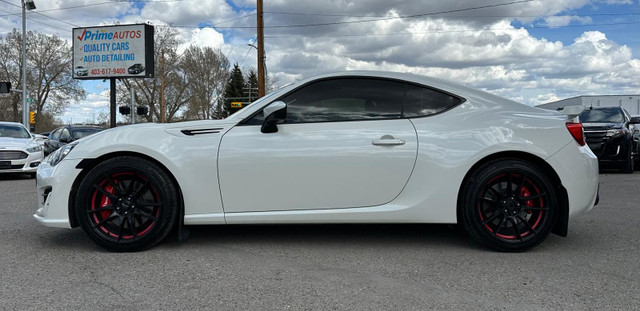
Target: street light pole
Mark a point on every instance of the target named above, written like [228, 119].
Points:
[25, 107]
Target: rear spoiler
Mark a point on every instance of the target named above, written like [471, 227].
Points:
[572, 112]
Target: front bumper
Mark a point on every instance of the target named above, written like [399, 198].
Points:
[54, 185]
[27, 165]
[611, 151]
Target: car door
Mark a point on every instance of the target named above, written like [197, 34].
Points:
[344, 145]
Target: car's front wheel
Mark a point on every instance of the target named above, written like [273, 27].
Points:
[127, 204]
[508, 205]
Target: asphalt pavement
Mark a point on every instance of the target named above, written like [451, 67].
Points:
[324, 267]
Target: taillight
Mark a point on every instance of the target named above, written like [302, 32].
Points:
[577, 132]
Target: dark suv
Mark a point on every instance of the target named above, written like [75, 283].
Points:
[612, 135]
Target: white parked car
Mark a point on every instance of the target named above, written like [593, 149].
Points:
[20, 152]
[81, 71]
[354, 147]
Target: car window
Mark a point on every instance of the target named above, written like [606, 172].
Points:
[420, 101]
[84, 132]
[65, 134]
[55, 135]
[13, 131]
[602, 115]
[346, 99]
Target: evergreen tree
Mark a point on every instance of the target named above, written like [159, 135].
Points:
[251, 89]
[234, 89]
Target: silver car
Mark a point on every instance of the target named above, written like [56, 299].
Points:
[20, 152]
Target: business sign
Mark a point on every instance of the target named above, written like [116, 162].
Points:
[236, 104]
[119, 51]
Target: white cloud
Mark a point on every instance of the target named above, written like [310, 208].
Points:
[205, 37]
[560, 21]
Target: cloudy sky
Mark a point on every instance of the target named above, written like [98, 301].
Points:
[530, 51]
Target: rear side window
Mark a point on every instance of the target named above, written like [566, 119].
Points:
[421, 101]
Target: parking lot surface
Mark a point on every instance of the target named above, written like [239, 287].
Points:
[323, 267]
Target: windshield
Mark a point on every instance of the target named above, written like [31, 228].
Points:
[13, 131]
[606, 115]
[80, 133]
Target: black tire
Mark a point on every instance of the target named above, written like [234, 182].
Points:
[627, 166]
[127, 204]
[508, 205]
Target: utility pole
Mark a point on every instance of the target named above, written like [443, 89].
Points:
[112, 102]
[162, 88]
[133, 104]
[261, 57]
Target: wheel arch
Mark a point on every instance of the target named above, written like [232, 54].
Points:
[88, 164]
[562, 222]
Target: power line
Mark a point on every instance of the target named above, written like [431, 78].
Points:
[37, 21]
[380, 19]
[245, 55]
[96, 4]
[474, 16]
[34, 12]
[451, 31]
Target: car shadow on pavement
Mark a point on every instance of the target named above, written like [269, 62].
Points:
[12, 176]
[328, 234]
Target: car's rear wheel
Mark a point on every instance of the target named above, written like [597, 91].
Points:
[127, 204]
[508, 205]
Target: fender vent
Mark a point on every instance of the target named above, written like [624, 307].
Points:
[202, 131]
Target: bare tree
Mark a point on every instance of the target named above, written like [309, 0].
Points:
[148, 90]
[206, 71]
[49, 78]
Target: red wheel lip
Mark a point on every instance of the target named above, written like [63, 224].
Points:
[104, 201]
[540, 216]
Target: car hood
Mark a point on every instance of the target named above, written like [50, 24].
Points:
[601, 126]
[13, 143]
[168, 128]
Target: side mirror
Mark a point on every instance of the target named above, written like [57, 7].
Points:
[275, 113]
[635, 120]
[65, 140]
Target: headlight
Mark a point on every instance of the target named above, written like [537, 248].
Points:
[34, 149]
[54, 158]
[615, 133]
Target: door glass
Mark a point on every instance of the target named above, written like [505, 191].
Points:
[346, 99]
[56, 134]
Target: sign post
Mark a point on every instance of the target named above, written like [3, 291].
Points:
[113, 52]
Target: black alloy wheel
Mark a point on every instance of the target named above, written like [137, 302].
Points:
[508, 205]
[127, 204]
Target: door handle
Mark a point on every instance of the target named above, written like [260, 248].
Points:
[387, 142]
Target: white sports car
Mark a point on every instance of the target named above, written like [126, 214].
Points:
[20, 152]
[354, 147]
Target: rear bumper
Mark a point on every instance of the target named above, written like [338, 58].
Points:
[577, 168]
